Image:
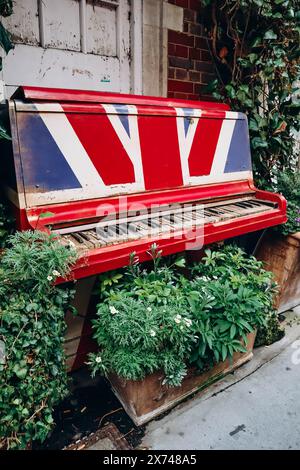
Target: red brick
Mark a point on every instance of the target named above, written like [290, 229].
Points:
[180, 62]
[171, 49]
[195, 53]
[204, 66]
[170, 94]
[172, 1]
[206, 56]
[193, 97]
[207, 77]
[195, 4]
[186, 27]
[201, 43]
[182, 3]
[198, 88]
[196, 29]
[181, 87]
[194, 76]
[189, 15]
[171, 73]
[182, 51]
[181, 74]
[180, 38]
[181, 96]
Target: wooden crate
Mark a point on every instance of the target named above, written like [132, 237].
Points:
[281, 255]
[145, 399]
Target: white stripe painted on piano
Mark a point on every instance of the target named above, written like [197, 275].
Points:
[81, 164]
[223, 146]
[131, 144]
[72, 149]
[186, 140]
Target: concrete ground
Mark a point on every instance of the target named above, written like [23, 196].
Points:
[257, 407]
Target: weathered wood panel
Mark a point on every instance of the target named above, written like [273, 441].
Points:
[145, 399]
[281, 255]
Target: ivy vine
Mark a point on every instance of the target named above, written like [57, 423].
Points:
[33, 377]
[255, 46]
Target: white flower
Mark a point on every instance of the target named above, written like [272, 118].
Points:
[177, 319]
[49, 278]
[152, 333]
[113, 310]
[55, 273]
[149, 309]
[98, 359]
[188, 322]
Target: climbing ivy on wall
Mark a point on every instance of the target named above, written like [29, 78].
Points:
[255, 46]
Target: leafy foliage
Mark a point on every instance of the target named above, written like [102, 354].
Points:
[6, 225]
[32, 371]
[288, 184]
[231, 295]
[255, 45]
[159, 319]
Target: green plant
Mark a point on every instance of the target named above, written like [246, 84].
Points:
[6, 225]
[32, 364]
[143, 323]
[255, 46]
[151, 319]
[288, 184]
[230, 296]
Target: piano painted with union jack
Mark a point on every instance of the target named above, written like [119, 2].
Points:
[111, 174]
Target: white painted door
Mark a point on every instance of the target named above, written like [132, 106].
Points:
[83, 44]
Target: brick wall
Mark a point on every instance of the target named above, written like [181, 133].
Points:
[190, 64]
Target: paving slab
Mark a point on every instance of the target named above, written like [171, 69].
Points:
[258, 407]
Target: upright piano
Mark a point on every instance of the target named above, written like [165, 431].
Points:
[112, 174]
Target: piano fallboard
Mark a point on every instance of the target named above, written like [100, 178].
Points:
[110, 174]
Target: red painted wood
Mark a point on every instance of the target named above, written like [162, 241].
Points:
[116, 256]
[103, 147]
[88, 209]
[161, 158]
[204, 146]
[62, 95]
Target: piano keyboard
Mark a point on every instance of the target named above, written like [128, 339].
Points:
[174, 218]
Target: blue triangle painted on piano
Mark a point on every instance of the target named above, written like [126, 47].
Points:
[188, 113]
[239, 157]
[44, 165]
[122, 110]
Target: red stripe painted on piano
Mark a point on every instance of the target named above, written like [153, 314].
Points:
[104, 147]
[204, 146]
[160, 151]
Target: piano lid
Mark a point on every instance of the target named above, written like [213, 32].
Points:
[75, 145]
[28, 93]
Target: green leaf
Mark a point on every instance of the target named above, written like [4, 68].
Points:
[224, 352]
[257, 142]
[270, 34]
[5, 41]
[44, 215]
[233, 330]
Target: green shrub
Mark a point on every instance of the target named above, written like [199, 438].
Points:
[288, 184]
[158, 319]
[32, 364]
[231, 296]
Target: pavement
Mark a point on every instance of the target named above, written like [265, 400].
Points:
[257, 407]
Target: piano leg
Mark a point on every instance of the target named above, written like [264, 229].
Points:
[78, 340]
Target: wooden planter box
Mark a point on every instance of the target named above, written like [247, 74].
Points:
[281, 255]
[145, 399]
